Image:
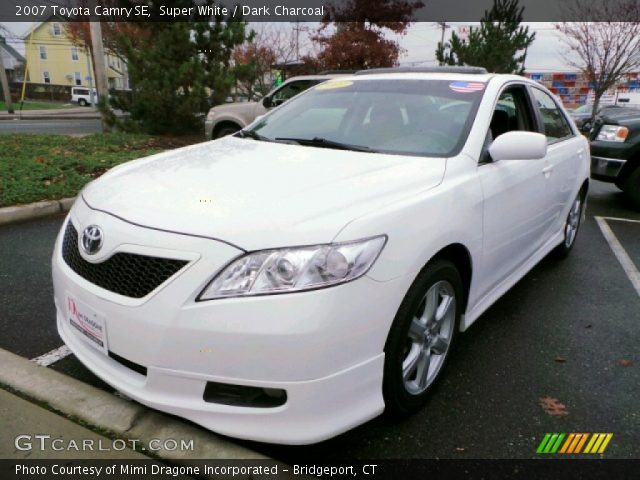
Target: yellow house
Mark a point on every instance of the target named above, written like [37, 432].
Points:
[52, 59]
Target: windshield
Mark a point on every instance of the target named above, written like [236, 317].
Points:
[584, 109]
[416, 117]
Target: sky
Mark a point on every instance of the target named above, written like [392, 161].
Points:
[548, 53]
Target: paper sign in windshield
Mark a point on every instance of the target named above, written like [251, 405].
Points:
[332, 85]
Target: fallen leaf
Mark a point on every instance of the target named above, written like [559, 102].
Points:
[626, 363]
[553, 406]
[588, 326]
[460, 449]
[560, 359]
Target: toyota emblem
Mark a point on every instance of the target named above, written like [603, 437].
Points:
[92, 239]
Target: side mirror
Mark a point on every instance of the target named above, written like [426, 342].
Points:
[518, 146]
[267, 102]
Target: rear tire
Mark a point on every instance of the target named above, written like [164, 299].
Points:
[571, 226]
[631, 188]
[82, 102]
[421, 336]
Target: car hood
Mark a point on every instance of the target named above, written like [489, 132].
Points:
[259, 194]
[622, 117]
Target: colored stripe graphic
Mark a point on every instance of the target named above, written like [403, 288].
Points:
[550, 443]
[574, 443]
[567, 443]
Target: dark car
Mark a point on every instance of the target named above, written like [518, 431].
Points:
[582, 115]
[615, 151]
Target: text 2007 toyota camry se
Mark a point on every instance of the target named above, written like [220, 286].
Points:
[292, 281]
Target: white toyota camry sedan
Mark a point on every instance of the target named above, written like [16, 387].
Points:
[292, 281]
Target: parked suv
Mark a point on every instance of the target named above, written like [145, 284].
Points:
[82, 96]
[224, 120]
[615, 151]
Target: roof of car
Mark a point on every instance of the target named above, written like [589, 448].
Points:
[443, 69]
[319, 76]
[390, 75]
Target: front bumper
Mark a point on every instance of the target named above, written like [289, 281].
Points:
[324, 347]
[606, 169]
[208, 129]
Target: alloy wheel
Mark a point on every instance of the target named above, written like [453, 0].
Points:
[429, 337]
[573, 222]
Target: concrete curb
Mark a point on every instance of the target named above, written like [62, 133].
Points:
[70, 116]
[19, 213]
[123, 418]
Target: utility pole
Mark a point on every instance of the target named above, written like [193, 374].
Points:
[297, 29]
[444, 26]
[92, 97]
[4, 81]
[95, 27]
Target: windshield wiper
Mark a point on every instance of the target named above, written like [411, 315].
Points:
[324, 143]
[253, 135]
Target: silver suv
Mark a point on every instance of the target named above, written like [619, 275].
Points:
[224, 120]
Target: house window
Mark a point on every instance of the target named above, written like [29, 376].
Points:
[43, 52]
[74, 54]
[57, 31]
[46, 77]
[77, 78]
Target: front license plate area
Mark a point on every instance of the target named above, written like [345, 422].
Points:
[88, 325]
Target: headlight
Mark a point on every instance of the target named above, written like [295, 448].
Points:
[613, 133]
[295, 269]
[211, 114]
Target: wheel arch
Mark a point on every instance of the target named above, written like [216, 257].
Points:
[629, 167]
[584, 188]
[224, 124]
[460, 256]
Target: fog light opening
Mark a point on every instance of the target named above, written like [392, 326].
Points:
[243, 396]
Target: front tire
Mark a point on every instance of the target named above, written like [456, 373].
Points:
[631, 188]
[225, 131]
[421, 336]
[82, 102]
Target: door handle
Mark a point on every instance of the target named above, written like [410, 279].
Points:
[547, 169]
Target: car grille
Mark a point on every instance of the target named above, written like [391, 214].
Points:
[126, 274]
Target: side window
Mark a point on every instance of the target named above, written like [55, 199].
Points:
[512, 112]
[556, 127]
[290, 90]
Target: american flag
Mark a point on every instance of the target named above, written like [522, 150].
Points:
[466, 87]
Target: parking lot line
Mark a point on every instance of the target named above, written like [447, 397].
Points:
[621, 219]
[621, 254]
[53, 356]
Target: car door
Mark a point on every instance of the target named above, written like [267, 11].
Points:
[514, 205]
[565, 154]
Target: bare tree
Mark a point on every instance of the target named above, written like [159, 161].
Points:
[604, 50]
[271, 43]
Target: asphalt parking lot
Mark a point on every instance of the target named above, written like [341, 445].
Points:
[569, 330]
